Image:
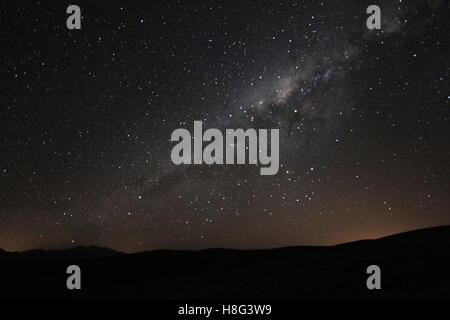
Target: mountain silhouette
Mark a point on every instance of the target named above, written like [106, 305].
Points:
[413, 265]
[76, 252]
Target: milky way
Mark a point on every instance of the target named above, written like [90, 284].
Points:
[87, 117]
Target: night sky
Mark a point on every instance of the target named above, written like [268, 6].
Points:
[86, 119]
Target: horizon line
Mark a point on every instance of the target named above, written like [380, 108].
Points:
[225, 248]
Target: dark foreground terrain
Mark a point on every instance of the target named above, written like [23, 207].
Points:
[415, 264]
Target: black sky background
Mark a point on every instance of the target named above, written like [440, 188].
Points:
[86, 119]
